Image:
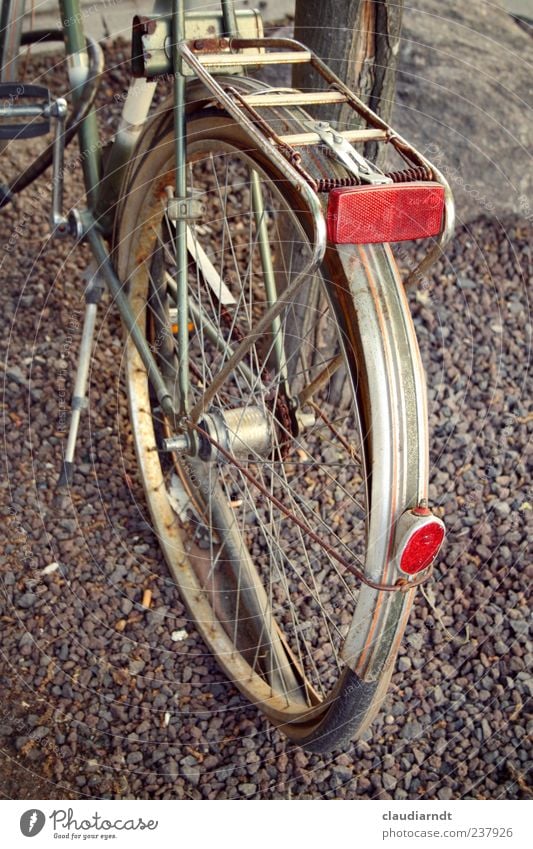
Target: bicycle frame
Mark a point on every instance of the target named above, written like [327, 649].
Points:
[103, 193]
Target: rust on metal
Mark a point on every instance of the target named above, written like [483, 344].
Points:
[209, 45]
[288, 152]
[408, 175]
[144, 24]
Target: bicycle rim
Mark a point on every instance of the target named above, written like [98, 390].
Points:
[11, 17]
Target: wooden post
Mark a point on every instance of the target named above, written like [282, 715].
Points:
[359, 40]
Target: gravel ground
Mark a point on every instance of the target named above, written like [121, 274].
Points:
[100, 701]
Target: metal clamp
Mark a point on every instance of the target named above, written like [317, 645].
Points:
[59, 223]
[184, 209]
[19, 100]
[346, 153]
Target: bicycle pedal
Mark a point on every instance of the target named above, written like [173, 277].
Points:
[19, 101]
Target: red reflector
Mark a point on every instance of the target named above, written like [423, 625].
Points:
[363, 215]
[422, 547]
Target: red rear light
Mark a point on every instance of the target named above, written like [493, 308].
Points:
[419, 538]
[363, 215]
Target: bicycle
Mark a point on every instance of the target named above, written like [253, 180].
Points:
[276, 393]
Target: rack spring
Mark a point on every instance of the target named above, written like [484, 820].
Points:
[408, 175]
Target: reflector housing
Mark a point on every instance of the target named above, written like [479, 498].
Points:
[422, 548]
[419, 537]
[363, 215]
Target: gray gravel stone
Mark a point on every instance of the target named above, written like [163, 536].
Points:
[389, 781]
[172, 769]
[248, 789]
[15, 373]
[26, 600]
[438, 695]
[225, 772]
[519, 626]
[343, 773]
[416, 640]
[440, 746]
[445, 793]
[40, 733]
[126, 606]
[157, 616]
[192, 774]
[411, 730]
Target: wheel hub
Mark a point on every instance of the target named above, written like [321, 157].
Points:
[241, 432]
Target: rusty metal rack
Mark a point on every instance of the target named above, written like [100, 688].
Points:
[204, 58]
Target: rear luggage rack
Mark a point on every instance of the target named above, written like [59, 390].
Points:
[201, 57]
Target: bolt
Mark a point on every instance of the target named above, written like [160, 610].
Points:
[178, 444]
[305, 419]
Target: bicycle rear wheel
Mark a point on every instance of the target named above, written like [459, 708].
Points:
[251, 541]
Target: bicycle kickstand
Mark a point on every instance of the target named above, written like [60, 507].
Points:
[93, 295]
